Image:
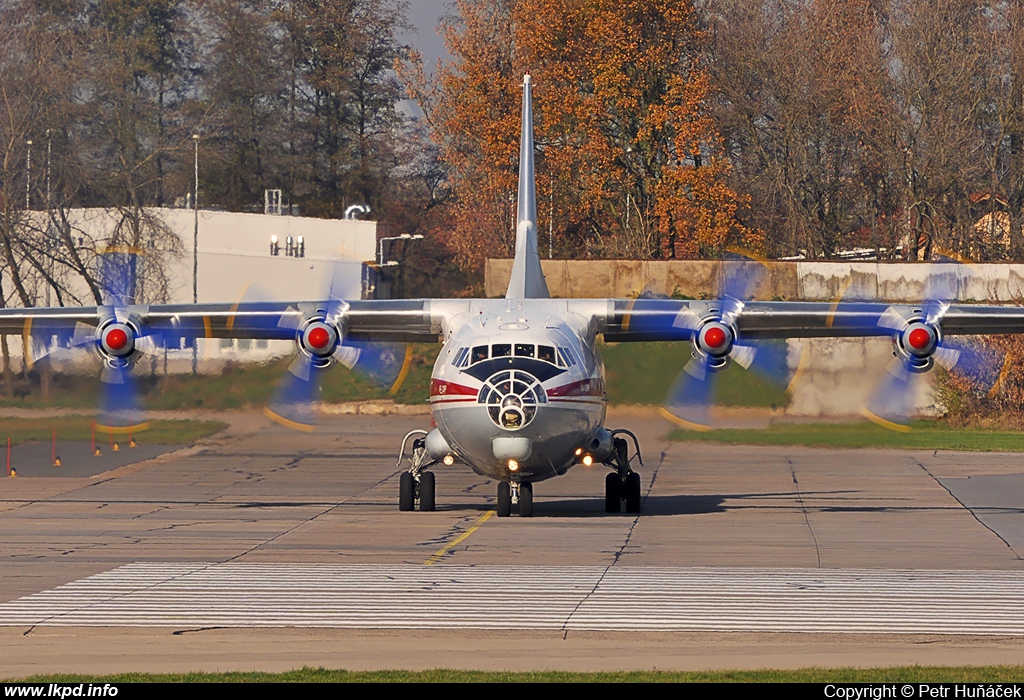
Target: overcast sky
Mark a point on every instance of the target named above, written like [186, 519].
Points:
[424, 16]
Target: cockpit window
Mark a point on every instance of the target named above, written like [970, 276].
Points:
[567, 357]
[479, 354]
[504, 350]
[460, 357]
[523, 350]
[546, 353]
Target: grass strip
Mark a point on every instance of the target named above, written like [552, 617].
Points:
[896, 674]
[637, 374]
[924, 435]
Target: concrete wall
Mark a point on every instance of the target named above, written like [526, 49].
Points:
[796, 281]
[835, 376]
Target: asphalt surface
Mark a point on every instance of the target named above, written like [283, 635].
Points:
[262, 495]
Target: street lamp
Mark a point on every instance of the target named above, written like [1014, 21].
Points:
[49, 217]
[28, 175]
[391, 263]
[403, 237]
[195, 250]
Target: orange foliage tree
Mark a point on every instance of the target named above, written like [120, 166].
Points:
[629, 162]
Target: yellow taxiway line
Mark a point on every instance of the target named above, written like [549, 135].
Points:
[444, 550]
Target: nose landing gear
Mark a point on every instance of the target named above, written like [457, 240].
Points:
[623, 484]
[515, 493]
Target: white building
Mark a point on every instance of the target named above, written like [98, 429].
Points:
[257, 257]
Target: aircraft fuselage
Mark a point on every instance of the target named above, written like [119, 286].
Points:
[517, 384]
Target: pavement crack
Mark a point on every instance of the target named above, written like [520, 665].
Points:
[618, 554]
[970, 510]
[179, 633]
[803, 509]
[329, 509]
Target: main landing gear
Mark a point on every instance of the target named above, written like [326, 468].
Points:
[515, 493]
[417, 484]
[623, 484]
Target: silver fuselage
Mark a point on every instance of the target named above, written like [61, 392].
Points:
[518, 376]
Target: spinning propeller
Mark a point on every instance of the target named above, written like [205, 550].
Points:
[711, 327]
[118, 334]
[918, 345]
[320, 334]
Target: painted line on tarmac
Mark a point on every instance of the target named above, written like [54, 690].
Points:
[412, 596]
[473, 528]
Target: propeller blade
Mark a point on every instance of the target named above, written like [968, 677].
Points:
[347, 355]
[119, 403]
[771, 362]
[690, 396]
[384, 364]
[946, 357]
[741, 277]
[292, 403]
[892, 403]
[892, 319]
[743, 355]
[83, 335]
[301, 367]
[978, 364]
[291, 319]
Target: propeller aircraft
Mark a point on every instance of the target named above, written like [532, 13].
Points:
[518, 388]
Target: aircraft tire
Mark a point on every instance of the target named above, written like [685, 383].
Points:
[406, 491]
[612, 493]
[526, 500]
[504, 505]
[633, 493]
[427, 491]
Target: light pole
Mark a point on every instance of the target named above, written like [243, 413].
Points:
[391, 263]
[195, 250]
[49, 215]
[404, 236]
[28, 175]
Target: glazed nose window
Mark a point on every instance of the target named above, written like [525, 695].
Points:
[512, 398]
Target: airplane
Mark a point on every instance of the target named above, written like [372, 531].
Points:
[518, 388]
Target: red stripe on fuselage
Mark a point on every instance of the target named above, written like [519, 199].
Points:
[584, 387]
[439, 387]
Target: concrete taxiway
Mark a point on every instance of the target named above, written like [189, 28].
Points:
[258, 549]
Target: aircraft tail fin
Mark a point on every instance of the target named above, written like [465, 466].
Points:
[527, 281]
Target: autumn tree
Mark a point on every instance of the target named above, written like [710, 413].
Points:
[246, 83]
[628, 163]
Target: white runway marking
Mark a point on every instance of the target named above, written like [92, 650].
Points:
[493, 597]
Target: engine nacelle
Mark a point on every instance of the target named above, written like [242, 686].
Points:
[916, 345]
[715, 341]
[116, 342]
[319, 339]
[437, 447]
[600, 447]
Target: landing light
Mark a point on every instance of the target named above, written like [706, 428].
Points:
[448, 460]
[588, 460]
[513, 465]
[579, 451]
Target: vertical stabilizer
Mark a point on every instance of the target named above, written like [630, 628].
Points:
[527, 280]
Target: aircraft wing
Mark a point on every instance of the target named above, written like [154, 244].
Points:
[634, 320]
[387, 320]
